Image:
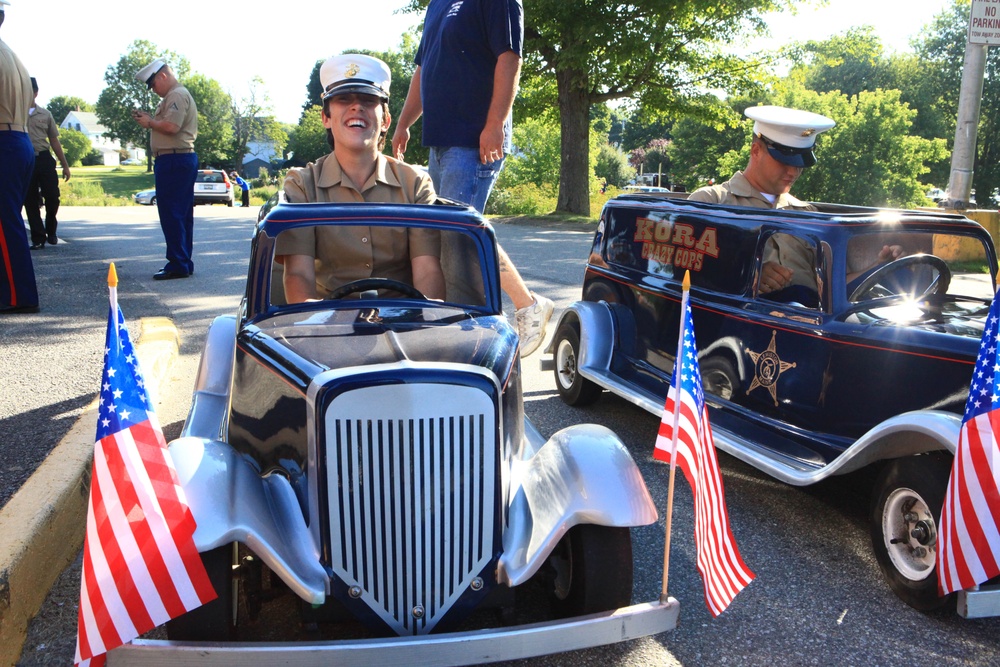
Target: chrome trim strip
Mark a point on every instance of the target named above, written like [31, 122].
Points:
[460, 648]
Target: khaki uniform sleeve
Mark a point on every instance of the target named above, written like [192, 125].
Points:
[707, 195]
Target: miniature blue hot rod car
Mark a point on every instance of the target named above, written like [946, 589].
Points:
[865, 363]
[367, 457]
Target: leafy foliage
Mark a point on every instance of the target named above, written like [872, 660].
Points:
[253, 120]
[215, 126]
[613, 166]
[75, 145]
[60, 106]
[307, 142]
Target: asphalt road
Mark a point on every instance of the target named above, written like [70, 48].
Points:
[818, 599]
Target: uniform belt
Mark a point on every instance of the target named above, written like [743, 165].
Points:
[12, 127]
[171, 151]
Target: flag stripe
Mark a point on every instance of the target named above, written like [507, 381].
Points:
[723, 572]
[968, 547]
[140, 564]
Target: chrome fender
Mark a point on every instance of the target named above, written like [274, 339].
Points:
[596, 336]
[210, 402]
[582, 474]
[231, 502]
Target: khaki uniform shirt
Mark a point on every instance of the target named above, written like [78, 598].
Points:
[347, 254]
[15, 89]
[176, 107]
[785, 249]
[42, 129]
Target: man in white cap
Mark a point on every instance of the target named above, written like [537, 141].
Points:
[18, 291]
[173, 129]
[782, 146]
[318, 260]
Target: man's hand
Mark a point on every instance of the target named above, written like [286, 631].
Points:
[65, 169]
[889, 253]
[400, 138]
[142, 118]
[773, 277]
[491, 143]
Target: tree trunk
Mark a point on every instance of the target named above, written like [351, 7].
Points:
[574, 170]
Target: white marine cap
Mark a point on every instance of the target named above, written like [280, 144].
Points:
[789, 134]
[150, 70]
[355, 73]
[3, 2]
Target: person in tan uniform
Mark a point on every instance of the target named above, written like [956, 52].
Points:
[318, 260]
[43, 132]
[781, 148]
[18, 291]
[173, 127]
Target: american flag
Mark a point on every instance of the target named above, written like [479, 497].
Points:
[722, 569]
[969, 537]
[140, 564]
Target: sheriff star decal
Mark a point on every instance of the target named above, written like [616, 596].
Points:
[769, 368]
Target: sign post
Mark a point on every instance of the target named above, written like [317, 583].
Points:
[984, 31]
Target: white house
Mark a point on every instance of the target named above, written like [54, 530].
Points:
[87, 123]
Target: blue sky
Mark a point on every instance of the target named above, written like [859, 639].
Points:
[68, 47]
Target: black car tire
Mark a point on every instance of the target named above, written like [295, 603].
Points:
[573, 388]
[592, 568]
[212, 621]
[718, 377]
[229, 203]
[152, 202]
[904, 520]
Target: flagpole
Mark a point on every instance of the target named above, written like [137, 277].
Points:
[113, 288]
[686, 285]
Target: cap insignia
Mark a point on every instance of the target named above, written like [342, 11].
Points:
[808, 133]
[352, 71]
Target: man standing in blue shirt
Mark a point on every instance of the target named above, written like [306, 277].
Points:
[468, 66]
[244, 189]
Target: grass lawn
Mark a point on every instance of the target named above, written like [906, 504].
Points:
[105, 186]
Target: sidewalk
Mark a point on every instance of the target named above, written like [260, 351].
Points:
[43, 524]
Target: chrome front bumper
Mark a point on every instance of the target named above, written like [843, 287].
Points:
[459, 648]
[983, 601]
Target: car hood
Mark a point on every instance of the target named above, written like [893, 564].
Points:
[350, 338]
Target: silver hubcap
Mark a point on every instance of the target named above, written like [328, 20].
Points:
[565, 364]
[910, 534]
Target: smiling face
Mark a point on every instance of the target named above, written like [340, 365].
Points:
[358, 122]
[767, 174]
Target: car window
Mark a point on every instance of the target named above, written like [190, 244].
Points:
[666, 244]
[209, 178]
[348, 253]
[797, 254]
[913, 264]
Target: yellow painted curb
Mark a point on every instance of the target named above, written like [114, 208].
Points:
[43, 524]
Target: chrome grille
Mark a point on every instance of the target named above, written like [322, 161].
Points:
[411, 475]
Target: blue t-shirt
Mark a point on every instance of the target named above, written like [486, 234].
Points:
[458, 54]
[243, 184]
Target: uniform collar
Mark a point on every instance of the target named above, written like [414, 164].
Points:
[740, 186]
[332, 174]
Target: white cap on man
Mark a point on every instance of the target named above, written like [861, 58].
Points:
[789, 134]
[2, 3]
[355, 73]
[146, 74]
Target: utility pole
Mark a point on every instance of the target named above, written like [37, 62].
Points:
[984, 31]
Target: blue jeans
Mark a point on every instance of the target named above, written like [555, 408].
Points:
[458, 174]
[175, 174]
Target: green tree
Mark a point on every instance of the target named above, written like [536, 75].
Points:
[307, 142]
[60, 106]
[612, 166]
[122, 93]
[253, 120]
[215, 124]
[75, 145]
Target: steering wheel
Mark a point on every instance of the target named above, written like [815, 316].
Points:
[938, 286]
[377, 283]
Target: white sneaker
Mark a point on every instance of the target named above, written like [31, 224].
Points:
[531, 321]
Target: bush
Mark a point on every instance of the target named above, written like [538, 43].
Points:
[612, 166]
[82, 192]
[521, 199]
[93, 158]
[260, 195]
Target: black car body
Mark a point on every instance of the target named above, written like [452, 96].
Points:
[802, 387]
[370, 452]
